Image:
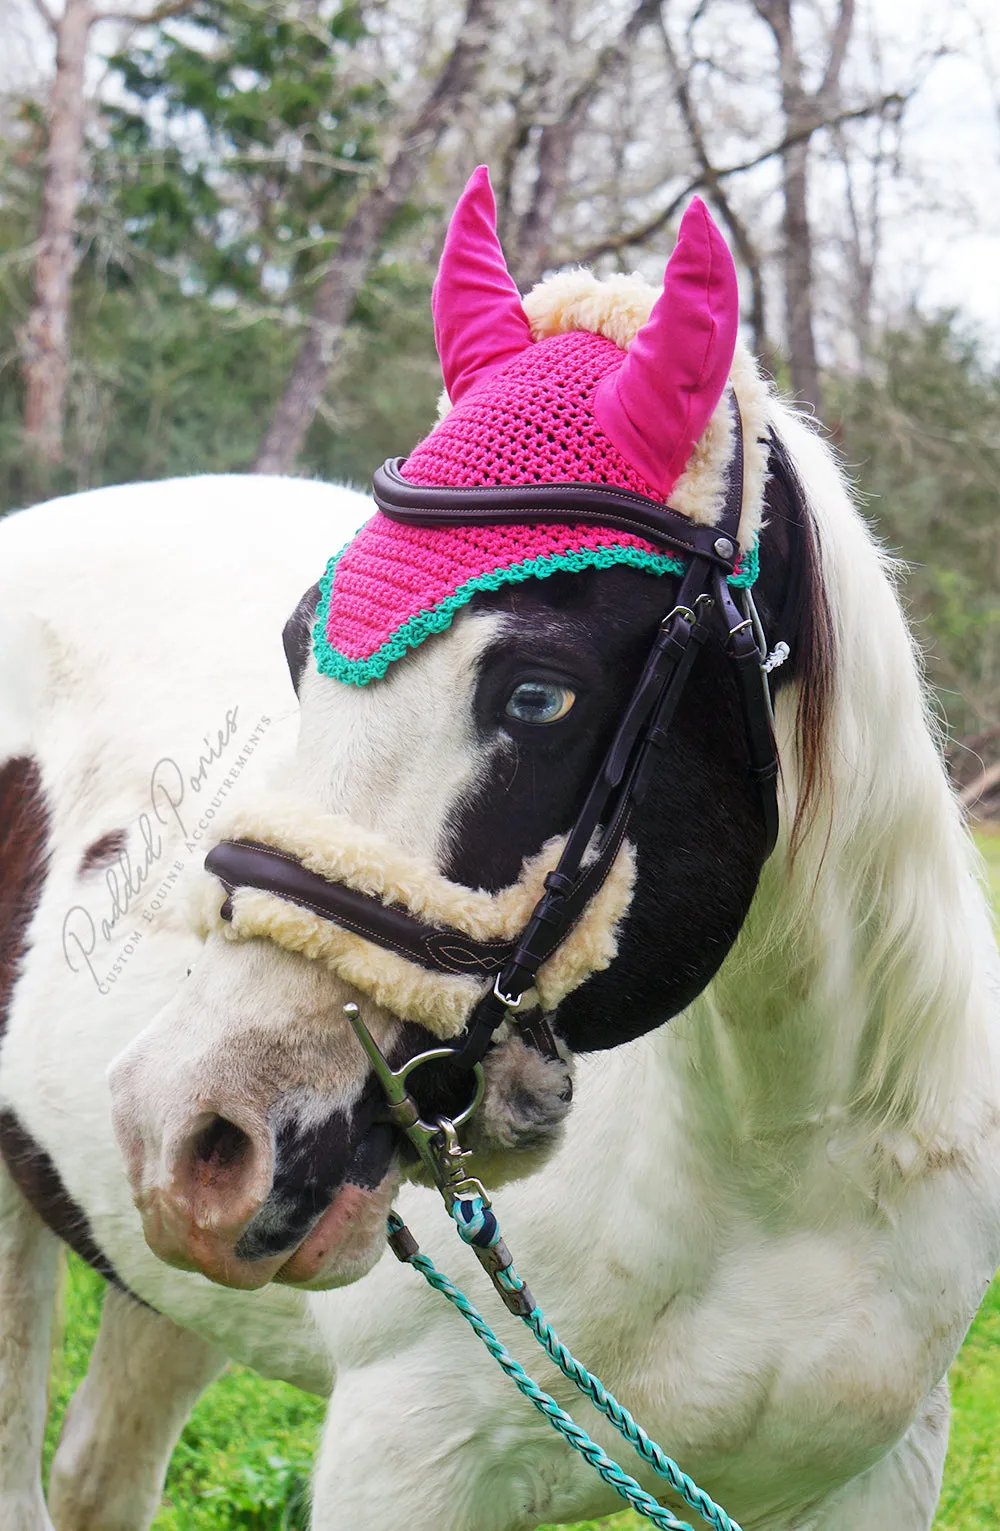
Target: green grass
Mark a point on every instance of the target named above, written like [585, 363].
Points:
[244, 1459]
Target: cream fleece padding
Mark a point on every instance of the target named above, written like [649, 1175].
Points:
[344, 852]
[618, 307]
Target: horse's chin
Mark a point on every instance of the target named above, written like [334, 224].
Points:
[346, 1242]
[341, 1247]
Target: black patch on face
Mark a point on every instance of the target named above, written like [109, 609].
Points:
[24, 838]
[296, 637]
[699, 834]
[311, 1164]
[372, 1157]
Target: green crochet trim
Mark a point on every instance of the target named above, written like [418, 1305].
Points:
[358, 672]
[747, 569]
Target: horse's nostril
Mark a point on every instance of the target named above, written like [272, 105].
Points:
[221, 1150]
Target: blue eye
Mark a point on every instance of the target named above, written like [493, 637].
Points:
[539, 701]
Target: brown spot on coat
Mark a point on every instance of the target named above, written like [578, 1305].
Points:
[24, 826]
[104, 851]
[24, 856]
[38, 1180]
[947, 1157]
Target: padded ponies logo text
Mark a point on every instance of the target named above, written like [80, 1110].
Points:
[143, 863]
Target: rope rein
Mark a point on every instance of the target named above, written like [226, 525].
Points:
[439, 1148]
[477, 1225]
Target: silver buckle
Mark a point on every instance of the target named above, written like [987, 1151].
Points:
[506, 999]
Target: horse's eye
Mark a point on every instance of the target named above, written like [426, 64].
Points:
[539, 701]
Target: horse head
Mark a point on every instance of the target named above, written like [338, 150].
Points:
[461, 680]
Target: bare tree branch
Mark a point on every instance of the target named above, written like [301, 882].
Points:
[162, 12]
[50, 20]
[745, 247]
[359, 241]
[983, 783]
[838, 49]
[644, 231]
[533, 241]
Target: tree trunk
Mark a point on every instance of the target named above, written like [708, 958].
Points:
[799, 278]
[360, 239]
[534, 236]
[533, 243]
[45, 338]
[804, 113]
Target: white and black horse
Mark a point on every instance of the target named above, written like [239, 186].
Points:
[767, 1225]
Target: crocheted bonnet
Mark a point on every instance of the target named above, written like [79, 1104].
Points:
[584, 381]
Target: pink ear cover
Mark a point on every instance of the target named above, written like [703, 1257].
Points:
[479, 322]
[569, 408]
[658, 403]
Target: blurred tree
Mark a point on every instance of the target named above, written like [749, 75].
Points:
[449, 97]
[45, 339]
[238, 149]
[722, 103]
[547, 126]
[803, 111]
[924, 433]
[46, 335]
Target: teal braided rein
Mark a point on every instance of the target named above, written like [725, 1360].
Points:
[619, 1416]
[615, 1476]
[478, 1226]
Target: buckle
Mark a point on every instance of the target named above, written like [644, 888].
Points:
[512, 1002]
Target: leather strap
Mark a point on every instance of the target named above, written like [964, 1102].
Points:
[627, 767]
[248, 864]
[755, 701]
[498, 505]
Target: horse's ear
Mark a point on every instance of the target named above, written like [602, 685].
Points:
[657, 404]
[296, 635]
[479, 322]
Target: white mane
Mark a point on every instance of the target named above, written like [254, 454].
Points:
[888, 993]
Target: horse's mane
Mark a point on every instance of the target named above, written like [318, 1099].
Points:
[805, 612]
[872, 910]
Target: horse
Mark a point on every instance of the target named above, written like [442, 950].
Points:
[741, 1108]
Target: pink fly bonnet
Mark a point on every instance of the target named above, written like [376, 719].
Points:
[584, 382]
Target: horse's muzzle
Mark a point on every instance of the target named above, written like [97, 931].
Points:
[243, 1201]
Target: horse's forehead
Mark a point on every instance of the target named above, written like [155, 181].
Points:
[398, 754]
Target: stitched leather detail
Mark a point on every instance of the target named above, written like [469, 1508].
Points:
[249, 864]
[601, 504]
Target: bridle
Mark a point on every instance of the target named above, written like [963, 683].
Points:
[705, 603]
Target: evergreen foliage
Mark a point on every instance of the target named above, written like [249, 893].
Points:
[220, 176]
[922, 435]
[240, 144]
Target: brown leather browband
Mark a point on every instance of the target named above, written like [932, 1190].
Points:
[504, 505]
